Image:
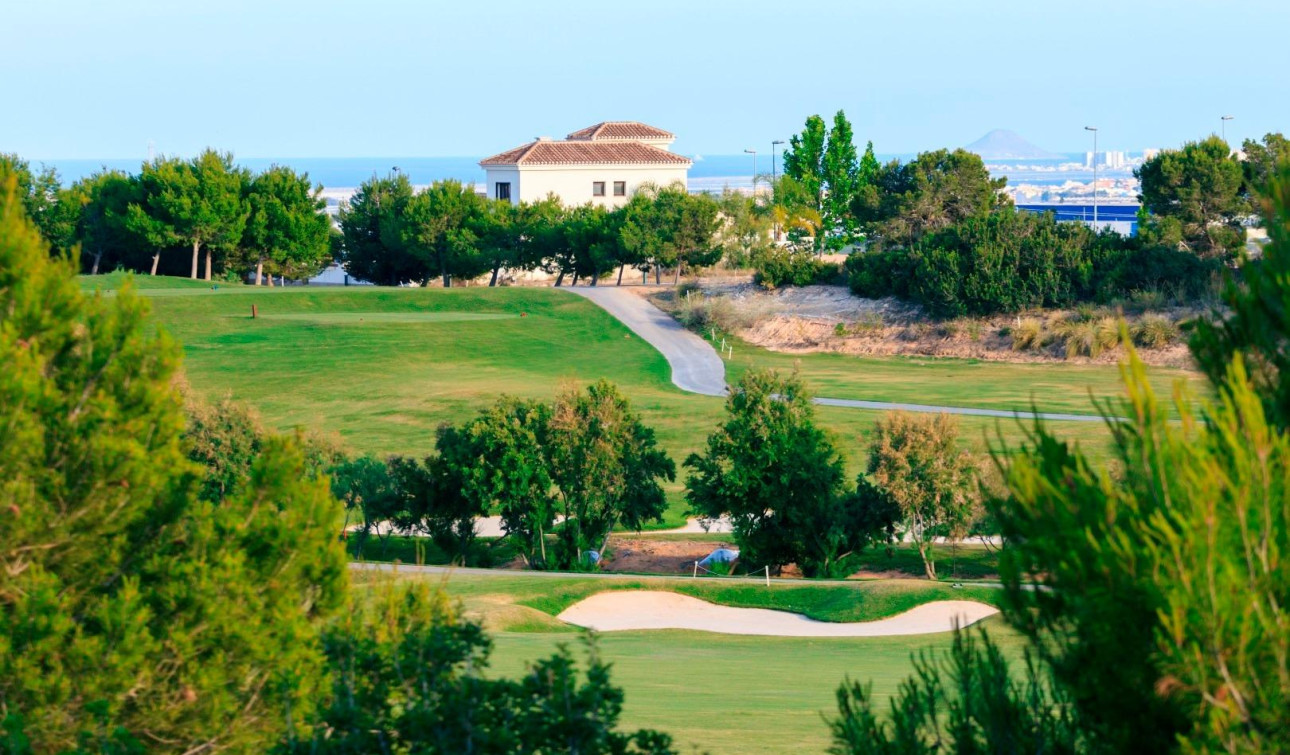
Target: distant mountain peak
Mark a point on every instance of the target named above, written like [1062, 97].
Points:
[1002, 144]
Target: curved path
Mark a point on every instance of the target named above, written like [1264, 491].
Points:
[621, 610]
[697, 368]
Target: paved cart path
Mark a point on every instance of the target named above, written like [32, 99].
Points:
[697, 368]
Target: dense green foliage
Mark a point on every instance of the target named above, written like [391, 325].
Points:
[408, 675]
[781, 481]
[935, 190]
[392, 235]
[134, 613]
[782, 266]
[1012, 261]
[822, 162]
[1194, 197]
[1152, 596]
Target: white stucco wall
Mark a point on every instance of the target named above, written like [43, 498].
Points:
[573, 184]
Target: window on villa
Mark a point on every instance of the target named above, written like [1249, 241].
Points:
[597, 188]
[620, 188]
[503, 190]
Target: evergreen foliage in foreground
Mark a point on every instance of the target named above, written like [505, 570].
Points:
[135, 614]
[1153, 595]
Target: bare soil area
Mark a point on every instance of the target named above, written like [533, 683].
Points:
[657, 556]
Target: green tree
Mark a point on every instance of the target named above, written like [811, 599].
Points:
[370, 224]
[591, 237]
[130, 609]
[372, 493]
[915, 461]
[606, 465]
[498, 463]
[1199, 188]
[39, 193]
[840, 170]
[1261, 161]
[780, 480]
[407, 675]
[288, 226]
[104, 200]
[437, 230]
[745, 228]
[804, 160]
[197, 203]
[906, 201]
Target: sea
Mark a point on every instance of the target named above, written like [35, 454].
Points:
[340, 176]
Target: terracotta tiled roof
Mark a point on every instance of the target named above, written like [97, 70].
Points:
[619, 130]
[543, 152]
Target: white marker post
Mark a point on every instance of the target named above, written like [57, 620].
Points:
[696, 569]
[768, 575]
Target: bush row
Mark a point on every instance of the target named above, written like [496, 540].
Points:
[1012, 261]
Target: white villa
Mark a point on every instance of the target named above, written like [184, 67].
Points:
[604, 163]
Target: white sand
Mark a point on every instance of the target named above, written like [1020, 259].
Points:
[620, 610]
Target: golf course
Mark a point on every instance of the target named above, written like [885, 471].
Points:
[382, 368]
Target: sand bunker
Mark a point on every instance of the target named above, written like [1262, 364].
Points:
[650, 609]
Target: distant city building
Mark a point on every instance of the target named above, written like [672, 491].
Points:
[1106, 159]
[604, 164]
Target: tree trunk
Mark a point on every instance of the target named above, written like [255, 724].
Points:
[270, 280]
[94, 270]
[208, 263]
[929, 566]
[493, 281]
[259, 270]
[677, 280]
[559, 279]
[197, 245]
[658, 275]
[621, 268]
[155, 259]
[595, 278]
[575, 278]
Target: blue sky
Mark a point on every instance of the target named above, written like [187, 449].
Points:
[275, 78]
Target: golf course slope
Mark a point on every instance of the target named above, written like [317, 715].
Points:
[657, 609]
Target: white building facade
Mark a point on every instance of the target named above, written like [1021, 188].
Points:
[603, 164]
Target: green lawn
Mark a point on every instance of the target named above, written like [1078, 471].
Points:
[383, 367]
[757, 695]
[719, 693]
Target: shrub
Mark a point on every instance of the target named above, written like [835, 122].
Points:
[1088, 338]
[784, 267]
[1028, 335]
[1155, 332]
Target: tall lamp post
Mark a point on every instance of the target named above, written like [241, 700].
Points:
[774, 178]
[753, 152]
[1094, 130]
[1225, 119]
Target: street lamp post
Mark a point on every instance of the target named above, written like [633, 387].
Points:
[1094, 130]
[774, 179]
[1225, 119]
[753, 152]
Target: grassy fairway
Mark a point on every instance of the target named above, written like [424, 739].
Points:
[720, 693]
[384, 367]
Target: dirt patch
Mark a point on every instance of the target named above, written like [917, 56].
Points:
[657, 556]
[832, 319]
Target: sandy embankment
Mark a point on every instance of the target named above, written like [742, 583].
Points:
[651, 609]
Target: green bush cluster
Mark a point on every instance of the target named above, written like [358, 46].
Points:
[790, 267]
[1013, 261]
